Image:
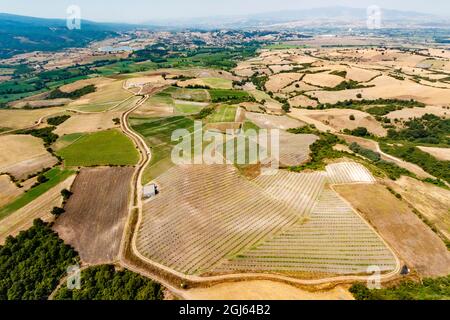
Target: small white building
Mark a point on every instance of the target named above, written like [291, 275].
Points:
[150, 190]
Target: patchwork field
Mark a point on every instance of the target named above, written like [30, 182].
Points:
[96, 213]
[109, 147]
[54, 176]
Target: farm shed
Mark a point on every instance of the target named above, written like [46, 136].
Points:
[150, 191]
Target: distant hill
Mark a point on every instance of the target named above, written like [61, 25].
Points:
[337, 17]
[19, 34]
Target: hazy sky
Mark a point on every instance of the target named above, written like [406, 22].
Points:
[145, 10]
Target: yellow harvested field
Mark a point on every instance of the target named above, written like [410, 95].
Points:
[87, 123]
[439, 153]
[23, 154]
[215, 83]
[266, 121]
[264, 290]
[277, 68]
[299, 86]
[279, 81]
[142, 81]
[339, 120]
[8, 190]
[410, 113]
[431, 201]
[41, 208]
[361, 75]
[389, 88]
[99, 82]
[40, 103]
[302, 101]
[107, 95]
[323, 79]
[18, 119]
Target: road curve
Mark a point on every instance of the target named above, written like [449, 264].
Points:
[137, 187]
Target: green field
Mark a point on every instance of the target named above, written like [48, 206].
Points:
[188, 108]
[55, 177]
[110, 147]
[67, 140]
[223, 95]
[157, 133]
[218, 83]
[223, 113]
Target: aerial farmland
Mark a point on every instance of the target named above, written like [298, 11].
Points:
[358, 181]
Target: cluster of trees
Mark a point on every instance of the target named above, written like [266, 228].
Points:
[56, 121]
[428, 289]
[58, 94]
[359, 104]
[230, 96]
[427, 162]
[204, 113]
[392, 170]
[32, 264]
[428, 129]
[105, 283]
[347, 85]
[320, 150]
[359, 132]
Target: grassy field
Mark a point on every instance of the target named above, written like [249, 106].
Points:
[55, 176]
[67, 140]
[157, 133]
[223, 113]
[198, 95]
[108, 147]
[222, 95]
[188, 108]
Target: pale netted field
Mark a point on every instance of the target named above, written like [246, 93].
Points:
[334, 240]
[266, 121]
[208, 218]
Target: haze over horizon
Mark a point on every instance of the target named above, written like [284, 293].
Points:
[140, 11]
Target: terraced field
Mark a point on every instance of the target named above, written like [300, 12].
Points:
[335, 240]
[348, 172]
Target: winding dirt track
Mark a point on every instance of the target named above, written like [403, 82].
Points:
[136, 204]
